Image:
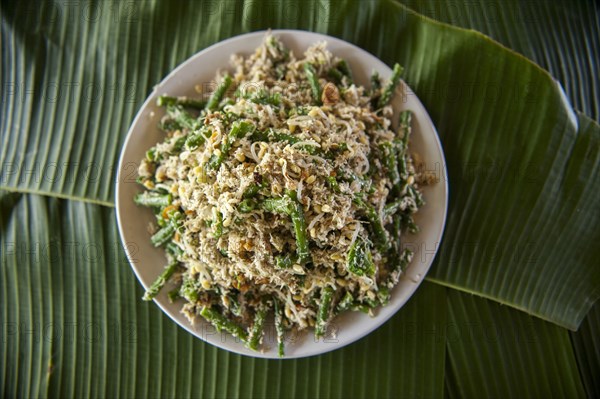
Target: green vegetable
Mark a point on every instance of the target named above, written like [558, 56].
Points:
[375, 82]
[178, 144]
[252, 191]
[324, 311]
[336, 75]
[163, 235]
[279, 329]
[168, 124]
[221, 322]
[313, 80]
[163, 101]
[388, 90]
[407, 222]
[219, 93]
[264, 97]
[344, 68]
[391, 163]
[247, 205]
[256, 332]
[234, 305]
[417, 196]
[155, 288]
[383, 296]
[289, 205]
[195, 140]
[360, 260]
[173, 249]
[238, 130]
[218, 226]
[333, 184]
[399, 262]
[285, 262]
[339, 71]
[284, 137]
[173, 295]
[404, 127]
[153, 199]
[375, 223]
[272, 135]
[188, 289]
[183, 118]
[151, 154]
[345, 303]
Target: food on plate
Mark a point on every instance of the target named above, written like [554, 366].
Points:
[285, 192]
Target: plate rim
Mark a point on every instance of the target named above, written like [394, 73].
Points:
[379, 320]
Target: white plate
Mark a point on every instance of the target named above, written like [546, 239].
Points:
[147, 261]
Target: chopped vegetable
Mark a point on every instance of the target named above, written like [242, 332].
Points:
[279, 328]
[152, 199]
[163, 101]
[258, 326]
[311, 75]
[288, 205]
[155, 288]
[388, 90]
[360, 260]
[219, 93]
[288, 197]
[221, 322]
[324, 311]
[163, 235]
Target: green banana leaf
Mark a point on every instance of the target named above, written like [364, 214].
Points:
[586, 342]
[74, 326]
[537, 29]
[522, 226]
[515, 216]
[484, 335]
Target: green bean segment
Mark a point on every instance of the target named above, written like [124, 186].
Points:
[283, 194]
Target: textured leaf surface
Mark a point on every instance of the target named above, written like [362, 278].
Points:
[497, 352]
[560, 37]
[73, 75]
[508, 136]
[586, 342]
[74, 326]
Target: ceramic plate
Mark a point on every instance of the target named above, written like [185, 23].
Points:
[148, 262]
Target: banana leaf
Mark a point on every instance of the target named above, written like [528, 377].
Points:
[537, 30]
[586, 342]
[536, 358]
[74, 326]
[522, 204]
[523, 171]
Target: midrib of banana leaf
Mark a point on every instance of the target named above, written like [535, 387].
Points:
[74, 325]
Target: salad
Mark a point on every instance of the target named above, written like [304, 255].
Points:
[284, 192]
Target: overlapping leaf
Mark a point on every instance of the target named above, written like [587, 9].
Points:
[72, 322]
[538, 30]
[74, 326]
[74, 84]
[497, 352]
[586, 342]
[508, 136]
[523, 213]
